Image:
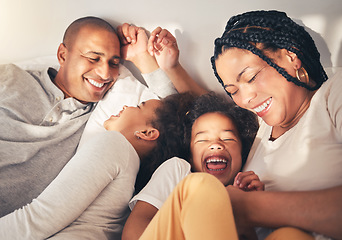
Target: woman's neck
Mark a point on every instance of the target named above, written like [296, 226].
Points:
[278, 131]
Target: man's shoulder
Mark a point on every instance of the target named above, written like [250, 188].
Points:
[11, 69]
[10, 73]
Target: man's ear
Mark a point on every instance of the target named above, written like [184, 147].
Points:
[61, 53]
[149, 134]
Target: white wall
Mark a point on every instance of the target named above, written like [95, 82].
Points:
[34, 28]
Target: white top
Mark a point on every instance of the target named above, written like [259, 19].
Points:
[92, 191]
[162, 182]
[309, 155]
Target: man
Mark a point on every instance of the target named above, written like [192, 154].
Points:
[43, 113]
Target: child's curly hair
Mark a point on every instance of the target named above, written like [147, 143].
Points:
[174, 120]
[245, 121]
[169, 121]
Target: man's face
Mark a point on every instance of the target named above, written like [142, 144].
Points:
[90, 66]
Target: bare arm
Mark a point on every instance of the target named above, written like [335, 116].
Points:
[163, 45]
[317, 211]
[138, 220]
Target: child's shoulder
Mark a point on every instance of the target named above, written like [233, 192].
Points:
[176, 162]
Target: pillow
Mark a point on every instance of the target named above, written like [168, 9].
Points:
[332, 70]
[39, 63]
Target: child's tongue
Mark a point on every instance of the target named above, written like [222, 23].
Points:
[216, 165]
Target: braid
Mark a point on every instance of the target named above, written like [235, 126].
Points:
[274, 30]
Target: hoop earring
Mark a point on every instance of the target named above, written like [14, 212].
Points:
[135, 134]
[302, 73]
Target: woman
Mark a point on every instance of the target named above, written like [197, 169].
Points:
[270, 65]
[89, 198]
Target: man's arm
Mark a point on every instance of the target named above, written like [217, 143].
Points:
[79, 183]
[317, 211]
[138, 220]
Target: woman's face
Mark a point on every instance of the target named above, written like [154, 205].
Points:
[131, 119]
[256, 86]
[216, 147]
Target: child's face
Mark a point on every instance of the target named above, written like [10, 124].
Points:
[216, 147]
[131, 119]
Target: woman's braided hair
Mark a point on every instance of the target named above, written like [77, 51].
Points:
[274, 30]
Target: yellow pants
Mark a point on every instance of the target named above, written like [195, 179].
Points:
[198, 208]
[286, 233]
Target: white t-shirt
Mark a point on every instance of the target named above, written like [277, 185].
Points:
[162, 182]
[309, 155]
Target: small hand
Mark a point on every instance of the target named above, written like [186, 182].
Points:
[163, 46]
[248, 181]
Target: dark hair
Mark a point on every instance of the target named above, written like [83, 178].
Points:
[74, 28]
[245, 121]
[274, 30]
[169, 121]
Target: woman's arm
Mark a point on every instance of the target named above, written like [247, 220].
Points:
[138, 220]
[317, 211]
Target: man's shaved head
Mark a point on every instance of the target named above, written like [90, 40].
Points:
[74, 28]
[89, 59]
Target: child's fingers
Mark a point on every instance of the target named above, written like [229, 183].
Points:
[236, 180]
[150, 44]
[152, 40]
[156, 31]
[162, 34]
[256, 185]
[245, 178]
[241, 175]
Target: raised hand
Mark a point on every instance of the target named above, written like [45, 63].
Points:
[163, 46]
[133, 39]
[134, 47]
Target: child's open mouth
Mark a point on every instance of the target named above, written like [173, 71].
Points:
[216, 164]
